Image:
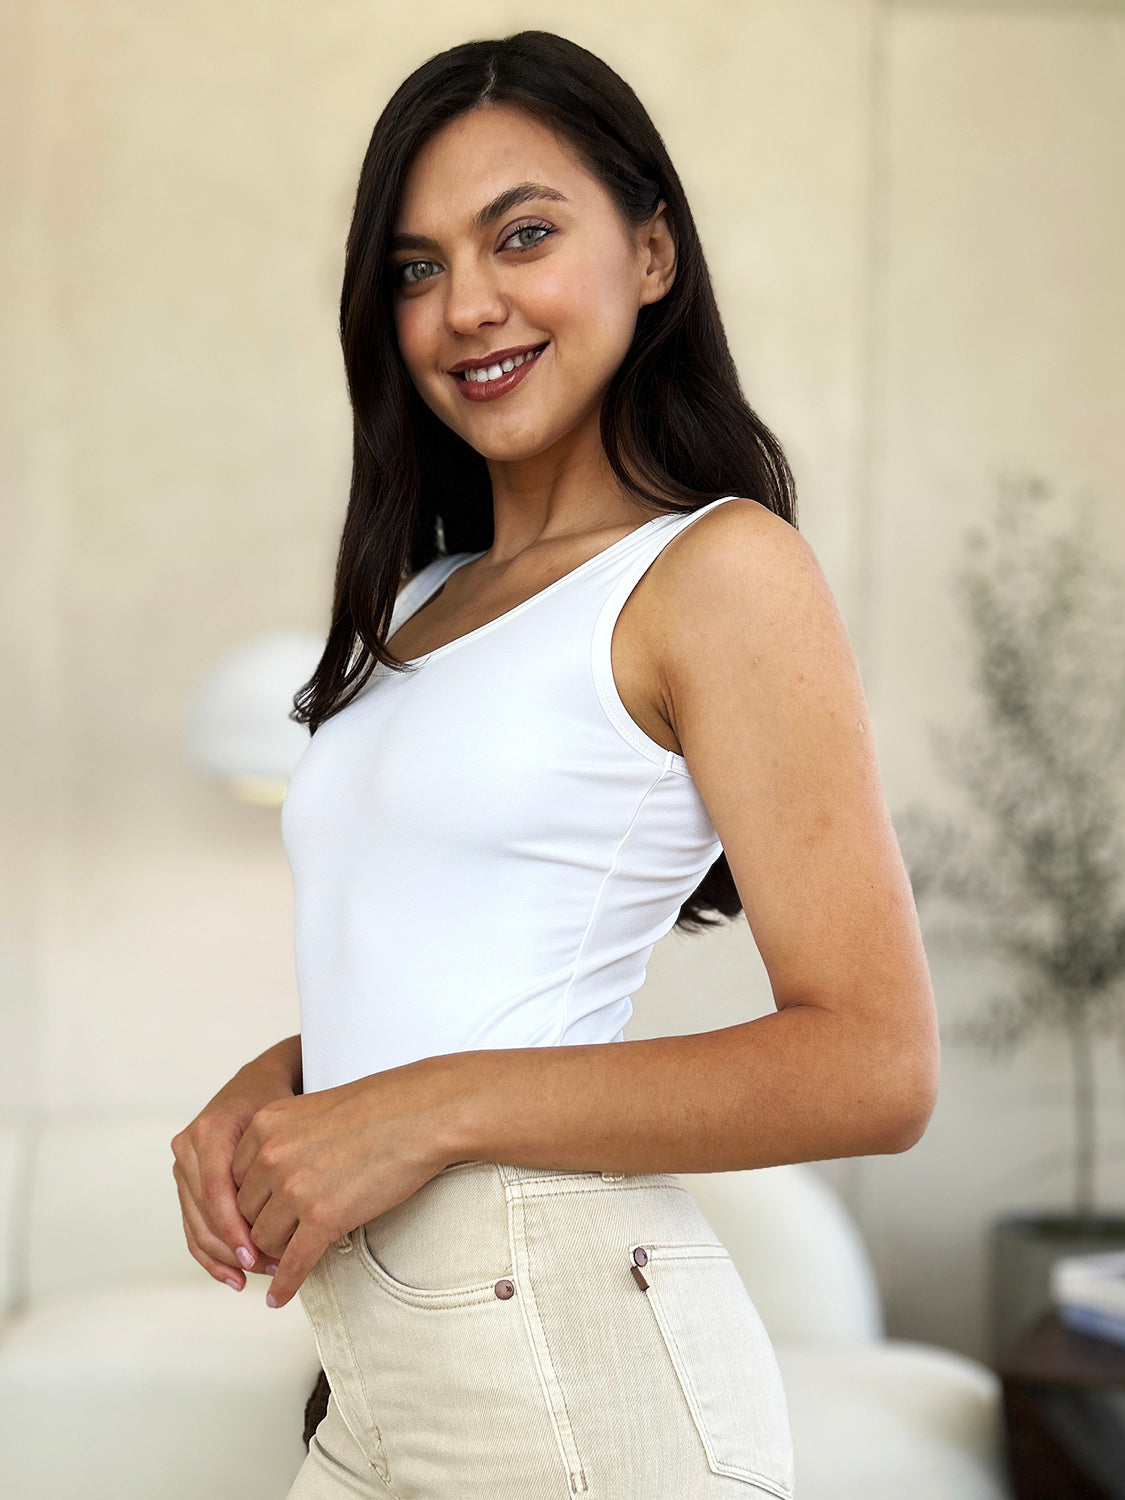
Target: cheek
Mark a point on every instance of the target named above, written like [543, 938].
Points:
[589, 313]
[415, 333]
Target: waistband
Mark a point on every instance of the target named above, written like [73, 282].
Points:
[515, 1181]
[511, 1172]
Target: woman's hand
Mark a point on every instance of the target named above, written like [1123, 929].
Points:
[311, 1168]
[213, 1226]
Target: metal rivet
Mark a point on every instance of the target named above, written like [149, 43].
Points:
[504, 1288]
[640, 1256]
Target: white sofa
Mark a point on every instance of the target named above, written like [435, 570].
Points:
[126, 1373]
[873, 1418]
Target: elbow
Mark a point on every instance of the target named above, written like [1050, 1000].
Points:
[911, 1128]
[915, 1096]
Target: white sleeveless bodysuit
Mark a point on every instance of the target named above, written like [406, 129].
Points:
[486, 847]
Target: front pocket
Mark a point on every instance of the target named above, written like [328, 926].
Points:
[445, 1246]
[500, 1287]
[723, 1359]
[417, 1369]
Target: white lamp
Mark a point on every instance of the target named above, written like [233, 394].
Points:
[238, 729]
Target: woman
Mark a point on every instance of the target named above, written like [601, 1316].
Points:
[613, 695]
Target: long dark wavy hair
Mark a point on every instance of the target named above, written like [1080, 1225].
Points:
[675, 425]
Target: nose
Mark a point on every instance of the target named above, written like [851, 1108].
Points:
[473, 299]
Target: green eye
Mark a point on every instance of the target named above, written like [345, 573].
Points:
[403, 279]
[543, 229]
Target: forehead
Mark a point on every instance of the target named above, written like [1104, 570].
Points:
[480, 155]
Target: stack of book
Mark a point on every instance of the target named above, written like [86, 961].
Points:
[1089, 1293]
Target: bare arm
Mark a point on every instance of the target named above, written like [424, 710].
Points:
[765, 698]
[285, 1058]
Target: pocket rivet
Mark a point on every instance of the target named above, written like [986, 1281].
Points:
[640, 1256]
[504, 1288]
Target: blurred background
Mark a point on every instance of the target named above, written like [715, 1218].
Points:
[914, 216]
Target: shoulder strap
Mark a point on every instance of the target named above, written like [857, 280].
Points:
[423, 586]
[639, 563]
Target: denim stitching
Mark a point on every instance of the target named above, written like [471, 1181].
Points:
[382, 1463]
[603, 1187]
[338, 1470]
[683, 1372]
[427, 1298]
[592, 1179]
[548, 1379]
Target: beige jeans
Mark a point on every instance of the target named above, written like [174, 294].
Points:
[514, 1333]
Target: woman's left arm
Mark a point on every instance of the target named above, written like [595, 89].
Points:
[764, 695]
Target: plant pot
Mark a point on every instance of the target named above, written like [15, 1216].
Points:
[1024, 1248]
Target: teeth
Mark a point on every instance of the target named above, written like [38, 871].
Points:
[484, 373]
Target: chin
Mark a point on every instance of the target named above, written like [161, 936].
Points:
[513, 448]
[505, 438]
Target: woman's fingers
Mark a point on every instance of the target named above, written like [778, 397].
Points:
[205, 1157]
[208, 1199]
[213, 1255]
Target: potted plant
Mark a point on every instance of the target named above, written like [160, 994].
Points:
[1037, 876]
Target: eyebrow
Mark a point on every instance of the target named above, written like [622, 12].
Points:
[523, 192]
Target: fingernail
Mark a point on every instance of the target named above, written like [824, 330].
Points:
[247, 1257]
[272, 1267]
[230, 1281]
[271, 1300]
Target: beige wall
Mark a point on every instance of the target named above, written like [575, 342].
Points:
[913, 214]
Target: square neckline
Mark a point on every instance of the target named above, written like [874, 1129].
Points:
[517, 609]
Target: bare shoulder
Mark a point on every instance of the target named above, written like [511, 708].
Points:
[743, 630]
[736, 541]
[728, 574]
[699, 613]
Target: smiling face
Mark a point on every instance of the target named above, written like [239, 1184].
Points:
[504, 240]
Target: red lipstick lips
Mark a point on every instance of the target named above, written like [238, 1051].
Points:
[489, 390]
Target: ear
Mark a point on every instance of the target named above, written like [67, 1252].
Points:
[658, 256]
